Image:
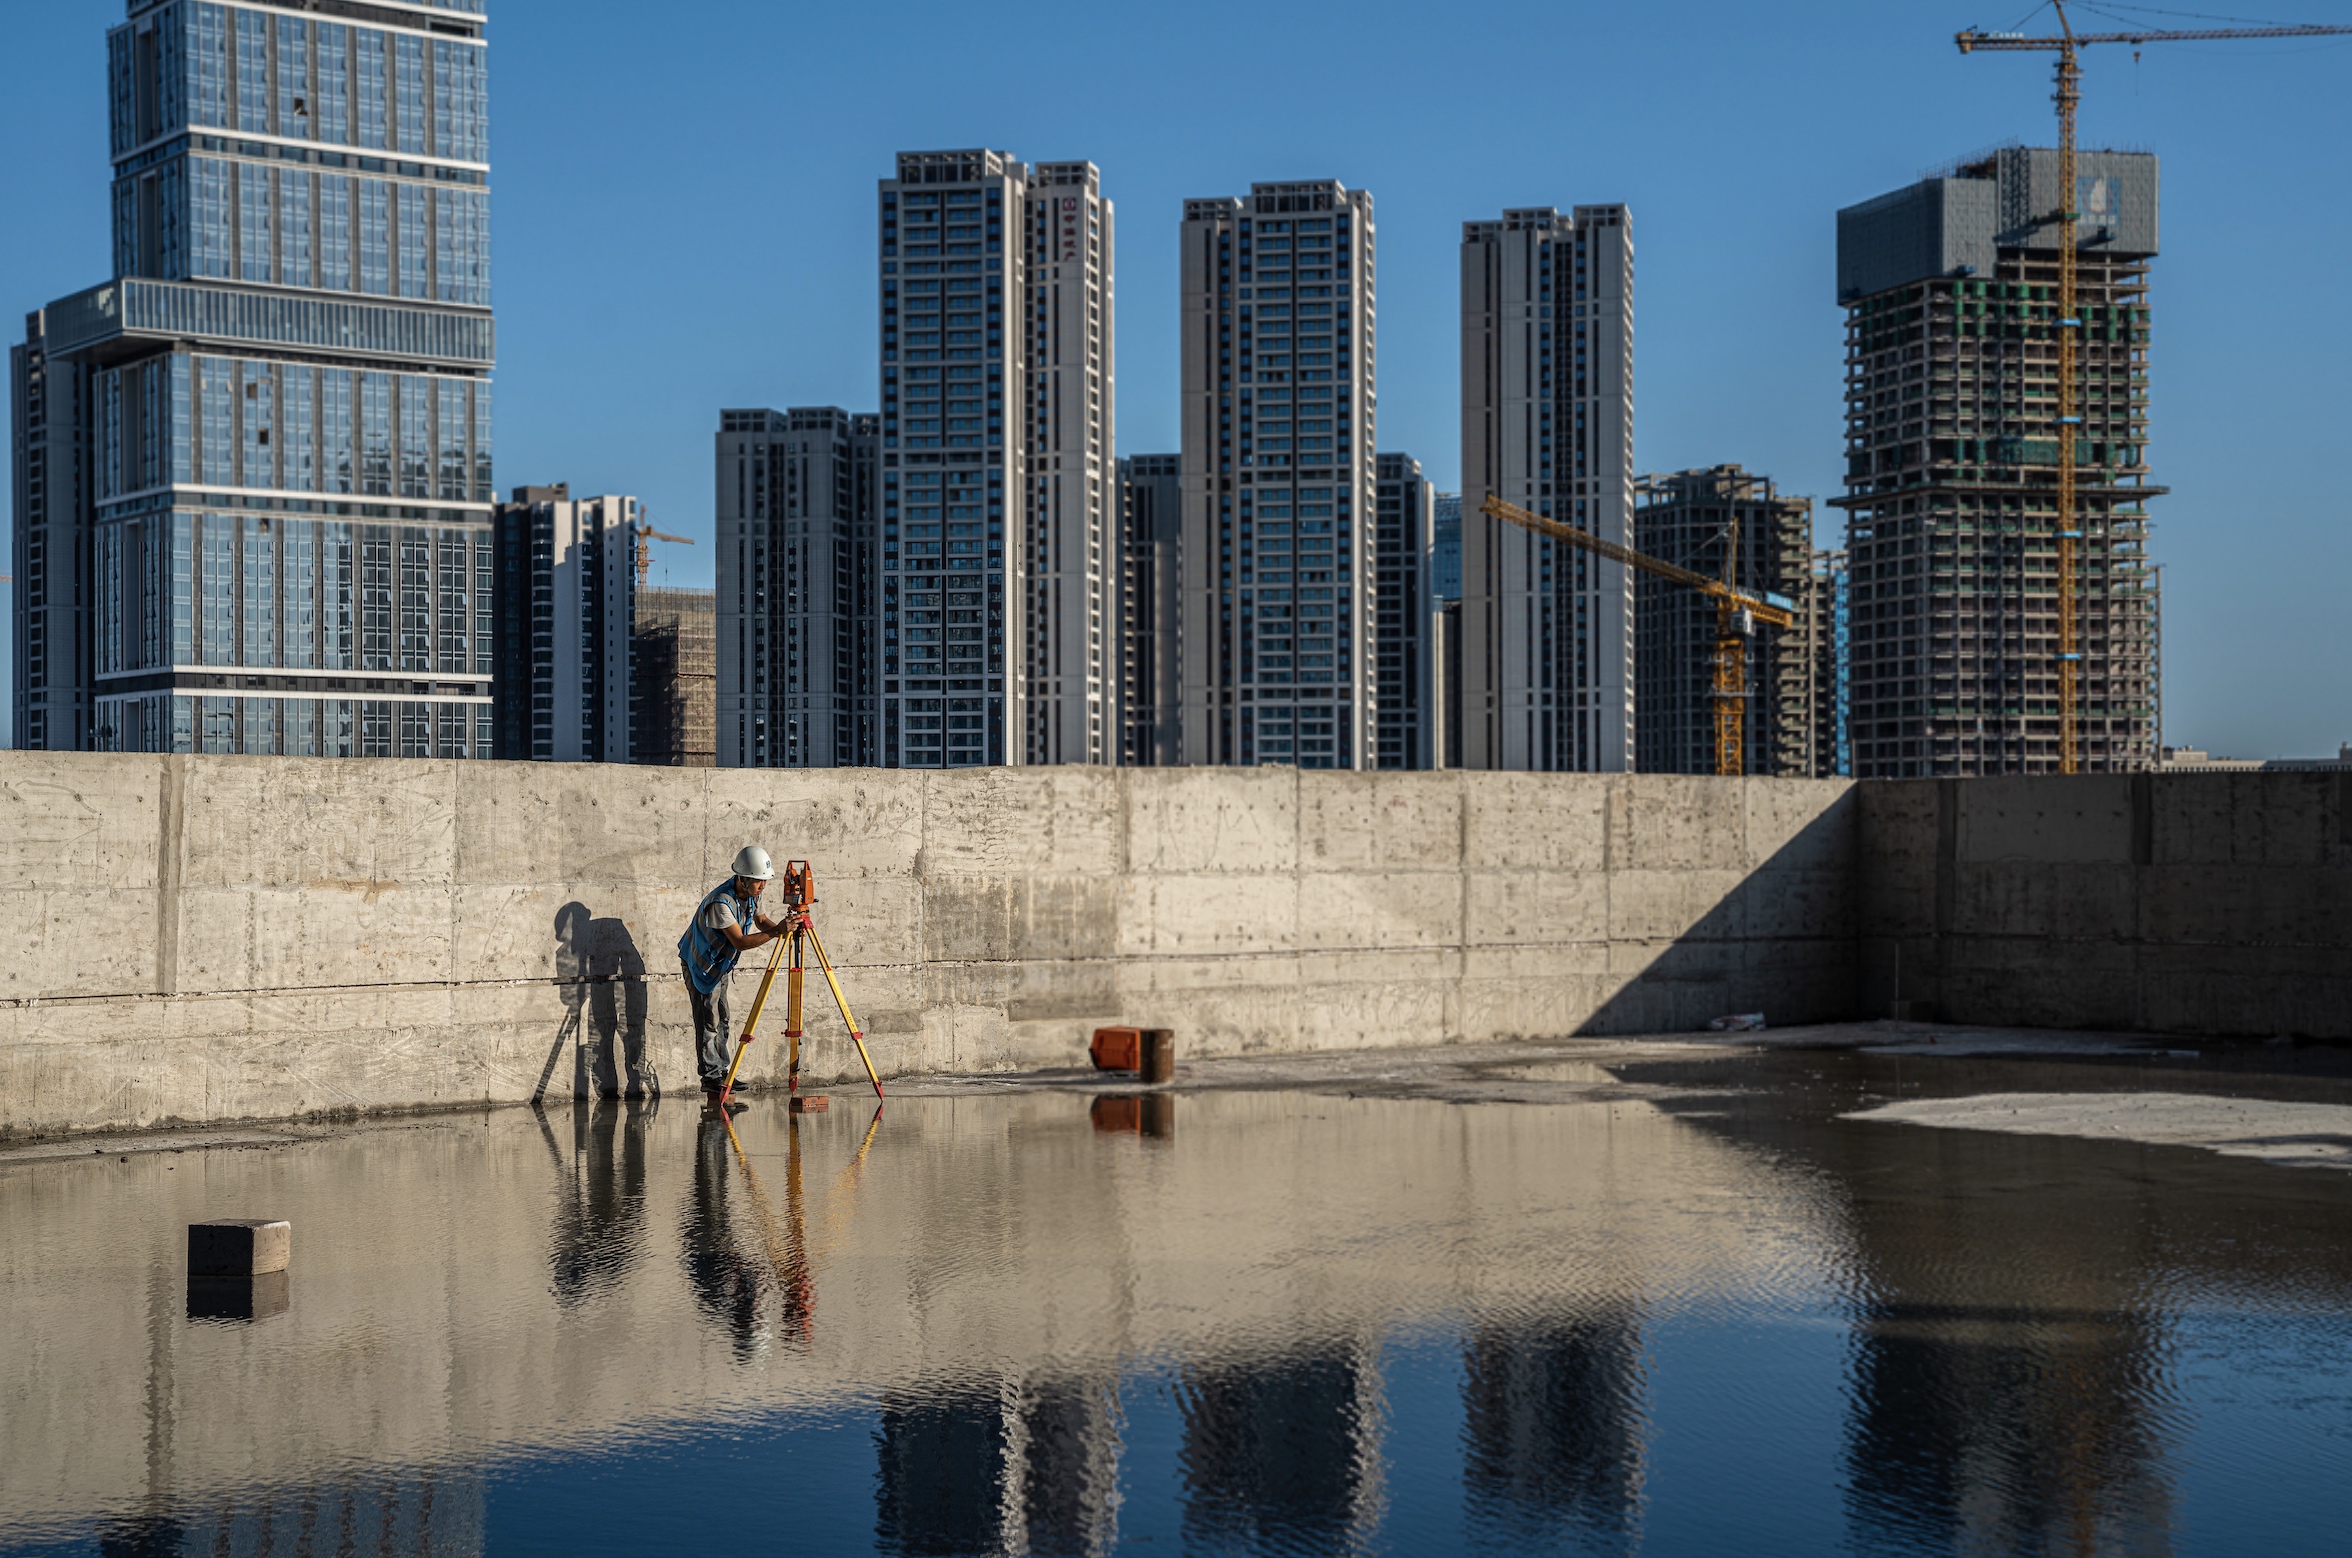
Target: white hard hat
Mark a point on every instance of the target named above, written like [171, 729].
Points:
[753, 862]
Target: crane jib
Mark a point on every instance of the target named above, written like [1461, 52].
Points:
[1771, 611]
[1971, 42]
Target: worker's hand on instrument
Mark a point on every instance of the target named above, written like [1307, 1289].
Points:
[772, 927]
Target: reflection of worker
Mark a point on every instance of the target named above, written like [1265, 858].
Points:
[726, 1282]
[726, 924]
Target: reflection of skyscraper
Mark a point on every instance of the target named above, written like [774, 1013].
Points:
[1553, 1435]
[939, 1488]
[2009, 1404]
[987, 1468]
[438, 1514]
[2008, 1382]
[1282, 1455]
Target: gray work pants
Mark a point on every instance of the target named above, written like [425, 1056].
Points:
[713, 1052]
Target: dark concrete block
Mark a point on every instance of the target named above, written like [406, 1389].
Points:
[239, 1247]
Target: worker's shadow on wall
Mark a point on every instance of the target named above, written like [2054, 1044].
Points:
[601, 975]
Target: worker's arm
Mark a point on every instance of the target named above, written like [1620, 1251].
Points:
[768, 930]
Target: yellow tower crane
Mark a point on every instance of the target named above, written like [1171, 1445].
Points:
[646, 535]
[2069, 44]
[1736, 614]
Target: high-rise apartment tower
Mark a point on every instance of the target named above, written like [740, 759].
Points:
[1953, 528]
[53, 684]
[284, 393]
[1445, 656]
[1547, 424]
[1069, 412]
[999, 584]
[1404, 540]
[1278, 484]
[1152, 605]
[565, 599]
[798, 571]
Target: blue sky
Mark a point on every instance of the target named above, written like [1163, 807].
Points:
[683, 217]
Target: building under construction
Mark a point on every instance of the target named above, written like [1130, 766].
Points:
[675, 670]
[1828, 624]
[1952, 425]
[1689, 519]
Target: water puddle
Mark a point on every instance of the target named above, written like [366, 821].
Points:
[1692, 1310]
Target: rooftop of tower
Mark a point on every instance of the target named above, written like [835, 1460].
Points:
[389, 12]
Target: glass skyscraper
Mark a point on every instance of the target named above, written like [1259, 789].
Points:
[283, 397]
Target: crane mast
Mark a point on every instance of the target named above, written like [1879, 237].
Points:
[2069, 45]
[2069, 413]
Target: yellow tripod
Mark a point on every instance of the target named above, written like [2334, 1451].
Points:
[800, 896]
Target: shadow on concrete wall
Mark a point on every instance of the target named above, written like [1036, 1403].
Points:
[1783, 940]
[600, 974]
[2209, 904]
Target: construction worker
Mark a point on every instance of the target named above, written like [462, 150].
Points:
[726, 924]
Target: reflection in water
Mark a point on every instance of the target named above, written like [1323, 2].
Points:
[940, 1487]
[433, 1516]
[599, 1231]
[726, 1281]
[2010, 1367]
[1307, 1324]
[1283, 1456]
[1030, 1469]
[786, 1247]
[1553, 1434]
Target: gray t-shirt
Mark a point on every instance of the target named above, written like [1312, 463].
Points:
[726, 910]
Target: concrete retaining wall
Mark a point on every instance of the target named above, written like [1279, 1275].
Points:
[210, 939]
[215, 938]
[2215, 904]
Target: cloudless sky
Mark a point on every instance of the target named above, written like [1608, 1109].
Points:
[683, 218]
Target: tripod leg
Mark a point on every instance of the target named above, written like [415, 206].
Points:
[792, 1013]
[842, 1001]
[758, 1003]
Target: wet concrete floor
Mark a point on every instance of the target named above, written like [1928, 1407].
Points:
[1877, 1290]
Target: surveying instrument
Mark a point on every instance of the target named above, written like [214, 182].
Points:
[800, 936]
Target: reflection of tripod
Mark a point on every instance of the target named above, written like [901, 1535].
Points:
[800, 896]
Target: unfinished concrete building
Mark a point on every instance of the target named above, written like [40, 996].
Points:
[1690, 518]
[674, 671]
[1828, 624]
[1952, 341]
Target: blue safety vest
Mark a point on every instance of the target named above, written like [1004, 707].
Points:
[709, 956]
